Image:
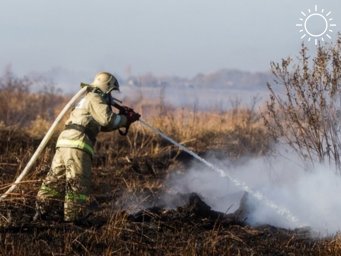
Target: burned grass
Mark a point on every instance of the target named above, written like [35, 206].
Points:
[192, 229]
[129, 217]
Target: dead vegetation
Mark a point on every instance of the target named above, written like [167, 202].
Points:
[128, 175]
[304, 106]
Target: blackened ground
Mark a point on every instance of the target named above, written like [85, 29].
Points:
[192, 229]
[126, 179]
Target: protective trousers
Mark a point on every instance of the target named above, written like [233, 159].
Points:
[68, 181]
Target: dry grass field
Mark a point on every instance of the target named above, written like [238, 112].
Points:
[128, 173]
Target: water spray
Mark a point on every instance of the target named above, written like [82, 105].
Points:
[256, 194]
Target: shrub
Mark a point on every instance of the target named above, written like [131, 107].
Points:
[305, 104]
[19, 107]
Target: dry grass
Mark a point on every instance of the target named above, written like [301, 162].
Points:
[129, 172]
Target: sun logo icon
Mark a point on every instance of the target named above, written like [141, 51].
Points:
[315, 25]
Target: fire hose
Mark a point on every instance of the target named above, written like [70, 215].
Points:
[256, 194]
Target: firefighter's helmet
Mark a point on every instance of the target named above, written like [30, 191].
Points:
[106, 82]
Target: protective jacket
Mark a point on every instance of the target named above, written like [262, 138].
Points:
[90, 116]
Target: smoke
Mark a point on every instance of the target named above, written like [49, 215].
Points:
[311, 195]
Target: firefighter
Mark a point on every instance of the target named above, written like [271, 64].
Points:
[66, 188]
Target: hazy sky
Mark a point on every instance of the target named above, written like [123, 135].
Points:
[166, 37]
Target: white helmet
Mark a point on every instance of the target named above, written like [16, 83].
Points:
[106, 82]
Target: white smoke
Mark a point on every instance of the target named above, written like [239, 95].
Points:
[312, 195]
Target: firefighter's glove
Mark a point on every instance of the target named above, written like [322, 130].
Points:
[132, 116]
